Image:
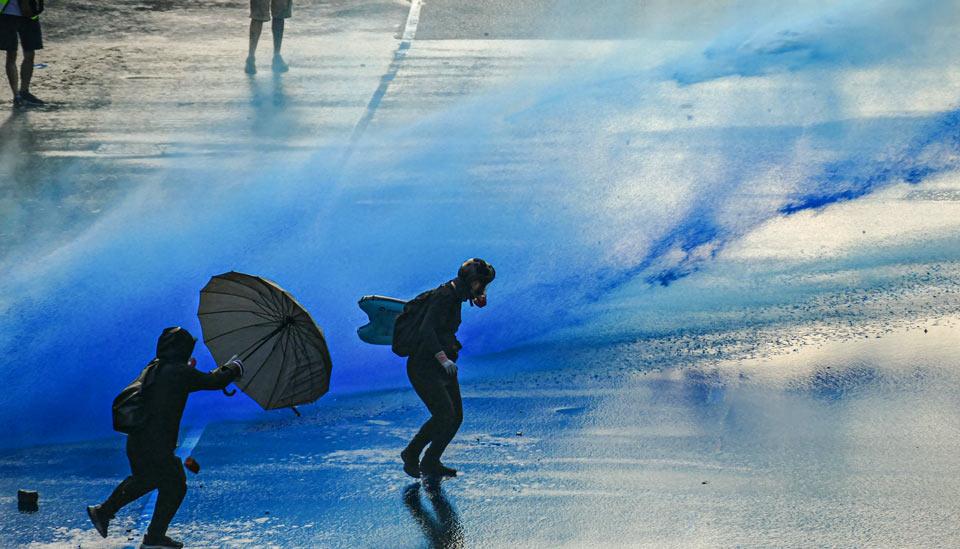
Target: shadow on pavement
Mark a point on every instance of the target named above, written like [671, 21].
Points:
[19, 140]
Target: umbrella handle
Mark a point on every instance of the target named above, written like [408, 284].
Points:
[229, 393]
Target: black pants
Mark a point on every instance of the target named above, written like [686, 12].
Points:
[441, 394]
[151, 469]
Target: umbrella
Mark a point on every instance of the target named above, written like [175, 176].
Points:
[285, 358]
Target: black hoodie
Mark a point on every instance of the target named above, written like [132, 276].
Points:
[438, 330]
[166, 398]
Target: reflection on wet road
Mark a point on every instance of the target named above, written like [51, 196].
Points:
[441, 528]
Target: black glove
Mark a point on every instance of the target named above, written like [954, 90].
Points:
[236, 365]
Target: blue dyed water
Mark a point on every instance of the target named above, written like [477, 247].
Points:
[623, 180]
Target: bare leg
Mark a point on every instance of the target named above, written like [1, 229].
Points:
[278, 64]
[12, 76]
[256, 27]
[26, 70]
[277, 27]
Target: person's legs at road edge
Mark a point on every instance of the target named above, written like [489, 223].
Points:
[256, 27]
[277, 28]
[281, 10]
[26, 71]
[31, 38]
[279, 65]
[10, 43]
[259, 14]
[12, 75]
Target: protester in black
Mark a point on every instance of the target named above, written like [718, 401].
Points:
[150, 449]
[432, 367]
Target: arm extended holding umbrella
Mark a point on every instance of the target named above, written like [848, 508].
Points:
[233, 362]
[216, 379]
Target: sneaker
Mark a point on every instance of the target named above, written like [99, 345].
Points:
[279, 65]
[31, 100]
[436, 469]
[411, 464]
[99, 521]
[251, 66]
[160, 543]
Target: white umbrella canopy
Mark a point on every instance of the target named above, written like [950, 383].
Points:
[285, 357]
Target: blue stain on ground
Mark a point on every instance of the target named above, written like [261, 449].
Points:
[849, 179]
[933, 152]
[698, 236]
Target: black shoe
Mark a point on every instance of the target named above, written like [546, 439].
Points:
[250, 67]
[31, 100]
[17, 101]
[160, 543]
[436, 469]
[411, 463]
[99, 521]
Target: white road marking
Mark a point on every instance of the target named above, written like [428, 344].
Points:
[413, 19]
[406, 39]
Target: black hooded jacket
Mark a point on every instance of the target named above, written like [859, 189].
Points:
[438, 330]
[166, 398]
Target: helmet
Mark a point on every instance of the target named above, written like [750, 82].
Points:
[476, 269]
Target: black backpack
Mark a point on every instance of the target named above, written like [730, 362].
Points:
[129, 408]
[406, 330]
[30, 8]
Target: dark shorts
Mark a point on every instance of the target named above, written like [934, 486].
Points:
[28, 31]
[264, 10]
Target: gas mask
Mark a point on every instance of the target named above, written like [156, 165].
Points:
[479, 298]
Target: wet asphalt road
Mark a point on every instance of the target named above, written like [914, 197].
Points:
[701, 458]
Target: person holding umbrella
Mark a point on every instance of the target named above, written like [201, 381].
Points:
[431, 365]
[151, 445]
